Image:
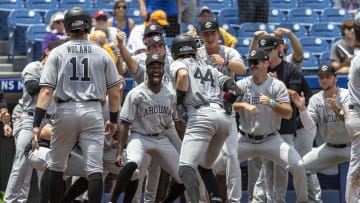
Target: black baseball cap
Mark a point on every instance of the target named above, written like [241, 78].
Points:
[153, 28]
[209, 26]
[258, 54]
[156, 40]
[155, 58]
[326, 69]
[268, 42]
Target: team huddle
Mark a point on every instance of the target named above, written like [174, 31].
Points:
[180, 118]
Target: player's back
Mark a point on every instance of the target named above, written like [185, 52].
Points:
[204, 81]
[80, 70]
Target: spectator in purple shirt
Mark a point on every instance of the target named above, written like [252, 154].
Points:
[56, 29]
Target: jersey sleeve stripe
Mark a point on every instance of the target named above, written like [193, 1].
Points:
[124, 119]
[113, 84]
[47, 85]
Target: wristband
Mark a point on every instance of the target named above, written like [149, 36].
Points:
[114, 117]
[272, 103]
[38, 117]
[226, 62]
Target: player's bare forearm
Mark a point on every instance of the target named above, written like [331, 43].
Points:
[283, 110]
[238, 67]
[123, 135]
[180, 128]
[44, 97]
[114, 98]
[182, 80]
[239, 106]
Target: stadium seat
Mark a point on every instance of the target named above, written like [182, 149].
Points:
[317, 5]
[335, 15]
[304, 16]
[215, 4]
[72, 3]
[104, 4]
[41, 5]
[328, 31]
[134, 13]
[248, 29]
[310, 63]
[18, 22]
[283, 5]
[298, 29]
[313, 44]
[132, 4]
[276, 16]
[6, 6]
[34, 37]
[228, 15]
[324, 57]
[243, 45]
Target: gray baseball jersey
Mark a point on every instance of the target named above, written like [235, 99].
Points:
[149, 112]
[77, 66]
[330, 127]
[354, 82]
[227, 52]
[32, 72]
[274, 89]
[204, 81]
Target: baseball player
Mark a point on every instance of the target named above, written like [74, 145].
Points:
[137, 68]
[198, 88]
[304, 138]
[78, 74]
[288, 73]
[352, 120]
[149, 115]
[324, 111]
[20, 175]
[228, 61]
[264, 104]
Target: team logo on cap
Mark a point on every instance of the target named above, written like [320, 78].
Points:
[155, 56]
[156, 38]
[262, 42]
[152, 27]
[208, 25]
[324, 68]
[253, 53]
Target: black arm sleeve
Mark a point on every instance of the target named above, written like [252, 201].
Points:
[32, 87]
[3, 103]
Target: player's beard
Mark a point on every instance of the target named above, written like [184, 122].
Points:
[328, 87]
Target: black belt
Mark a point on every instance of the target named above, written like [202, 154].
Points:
[206, 105]
[351, 106]
[47, 116]
[338, 145]
[150, 135]
[256, 137]
[64, 101]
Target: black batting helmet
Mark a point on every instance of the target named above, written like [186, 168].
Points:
[183, 44]
[77, 18]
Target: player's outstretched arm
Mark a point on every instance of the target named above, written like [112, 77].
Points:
[42, 104]
[122, 139]
[114, 104]
[130, 62]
